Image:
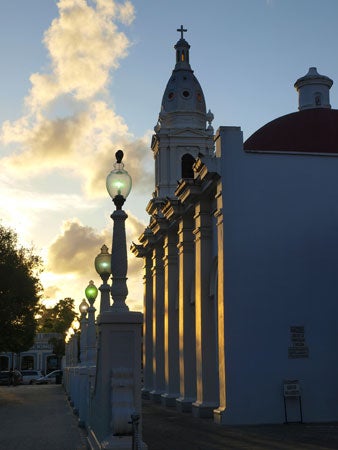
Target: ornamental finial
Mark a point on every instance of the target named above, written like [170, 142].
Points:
[119, 156]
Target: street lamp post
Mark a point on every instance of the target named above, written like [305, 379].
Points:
[103, 268]
[119, 185]
[91, 294]
[83, 336]
[83, 370]
[75, 370]
[118, 370]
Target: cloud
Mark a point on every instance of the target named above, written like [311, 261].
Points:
[138, 162]
[71, 255]
[67, 137]
[51, 292]
[70, 122]
[75, 248]
[77, 245]
[27, 208]
[64, 142]
[84, 44]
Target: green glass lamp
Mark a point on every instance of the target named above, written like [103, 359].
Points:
[91, 292]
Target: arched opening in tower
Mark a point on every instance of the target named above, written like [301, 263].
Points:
[187, 162]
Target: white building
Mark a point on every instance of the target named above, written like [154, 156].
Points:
[39, 357]
[241, 259]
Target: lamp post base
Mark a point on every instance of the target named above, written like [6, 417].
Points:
[121, 443]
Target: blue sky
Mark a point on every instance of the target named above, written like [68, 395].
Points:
[60, 128]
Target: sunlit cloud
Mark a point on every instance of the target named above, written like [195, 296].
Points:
[24, 207]
[70, 121]
[70, 127]
[84, 44]
[73, 252]
[83, 133]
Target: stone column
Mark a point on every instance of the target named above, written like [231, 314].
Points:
[206, 326]
[171, 354]
[158, 323]
[220, 411]
[187, 342]
[148, 380]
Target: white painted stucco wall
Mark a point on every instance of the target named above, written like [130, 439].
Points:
[281, 269]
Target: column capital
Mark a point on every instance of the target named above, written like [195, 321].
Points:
[159, 226]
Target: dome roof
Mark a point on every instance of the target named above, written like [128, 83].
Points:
[183, 102]
[308, 131]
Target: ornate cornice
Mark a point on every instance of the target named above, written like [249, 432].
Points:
[155, 205]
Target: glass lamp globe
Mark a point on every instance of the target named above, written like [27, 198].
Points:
[83, 307]
[91, 292]
[75, 324]
[118, 181]
[103, 263]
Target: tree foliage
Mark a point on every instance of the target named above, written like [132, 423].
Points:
[58, 318]
[20, 290]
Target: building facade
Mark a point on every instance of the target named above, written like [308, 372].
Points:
[241, 259]
[38, 357]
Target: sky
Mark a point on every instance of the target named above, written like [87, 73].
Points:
[81, 79]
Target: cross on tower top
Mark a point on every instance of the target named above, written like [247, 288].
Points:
[182, 30]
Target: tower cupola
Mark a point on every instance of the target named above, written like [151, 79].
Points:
[313, 90]
[183, 103]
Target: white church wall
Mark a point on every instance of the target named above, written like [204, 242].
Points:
[280, 219]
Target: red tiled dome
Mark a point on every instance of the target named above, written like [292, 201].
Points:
[309, 131]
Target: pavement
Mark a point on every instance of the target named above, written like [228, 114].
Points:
[167, 429]
[40, 418]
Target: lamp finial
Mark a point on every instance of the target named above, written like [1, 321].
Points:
[119, 156]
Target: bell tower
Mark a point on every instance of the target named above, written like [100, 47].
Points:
[183, 131]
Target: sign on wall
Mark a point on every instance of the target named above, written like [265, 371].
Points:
[298, 347]
[291, 388]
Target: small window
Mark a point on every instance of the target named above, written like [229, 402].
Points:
[318, 99]
[4, 362]
[187, 162]
[27, 362]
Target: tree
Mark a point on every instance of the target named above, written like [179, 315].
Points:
[20, 290]
[58, 318]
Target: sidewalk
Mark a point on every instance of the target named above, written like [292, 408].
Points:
[167, 429]
[38, 418]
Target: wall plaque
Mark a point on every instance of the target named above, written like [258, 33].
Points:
[298, 347]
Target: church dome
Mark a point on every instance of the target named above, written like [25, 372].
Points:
[183, 103]
[314, 129]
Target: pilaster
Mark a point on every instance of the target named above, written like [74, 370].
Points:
[171, 353]
[148, 327]
[145, 251]
[187, 341]
[206, 325]
[220, 411]
[158, 322]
